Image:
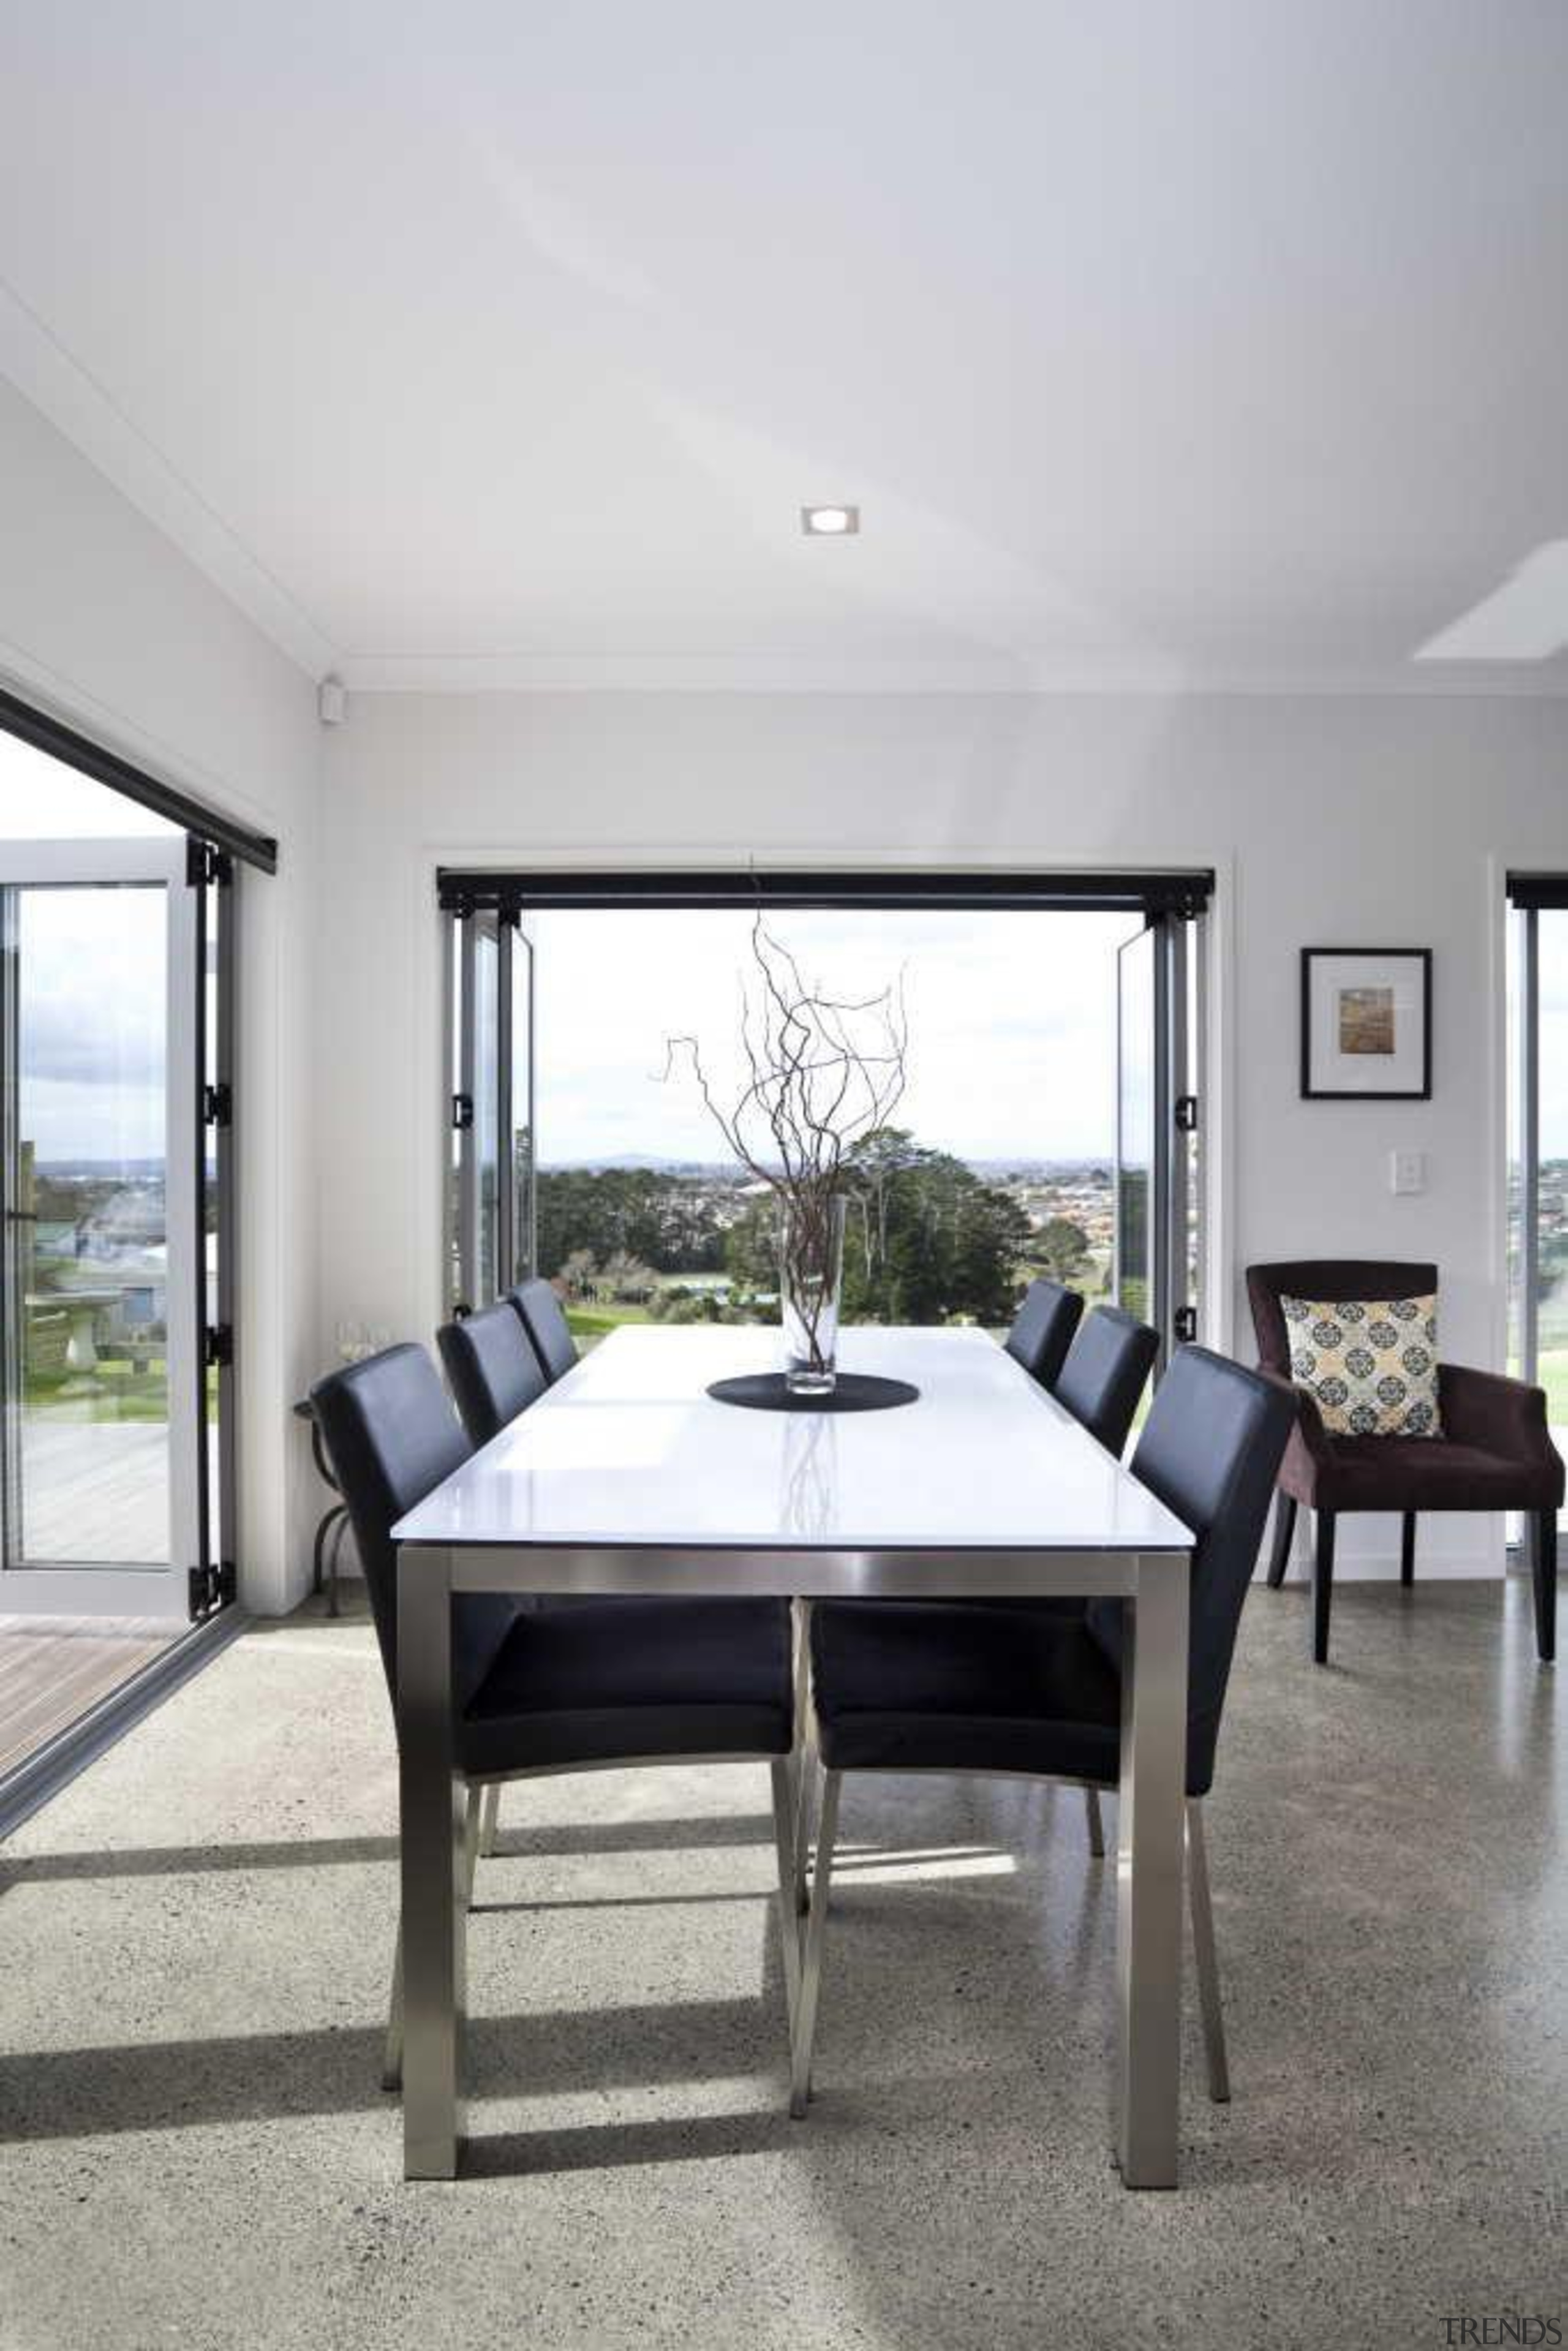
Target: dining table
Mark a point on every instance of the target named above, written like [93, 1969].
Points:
[627, 1476]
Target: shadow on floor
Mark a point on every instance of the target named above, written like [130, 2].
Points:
[310, 1852]
[171, 2085]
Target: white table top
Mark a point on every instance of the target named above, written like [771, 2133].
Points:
[628, 1449]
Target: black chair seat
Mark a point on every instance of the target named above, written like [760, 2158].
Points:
[1427, 1473]
[634, 1678]
[913, 1685]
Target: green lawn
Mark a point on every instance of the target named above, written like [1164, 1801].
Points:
[1552, 1373]
[591, 1323]
[114, 1391]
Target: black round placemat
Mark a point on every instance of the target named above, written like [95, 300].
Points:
[850, 1392]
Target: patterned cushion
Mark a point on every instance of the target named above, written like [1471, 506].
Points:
[1371, 1363]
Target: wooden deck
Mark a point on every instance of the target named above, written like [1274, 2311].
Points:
[53, 1668]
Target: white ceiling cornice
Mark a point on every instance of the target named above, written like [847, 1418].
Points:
[78, 406]
[64, 393]
[809, 674]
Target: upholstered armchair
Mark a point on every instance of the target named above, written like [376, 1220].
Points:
[1495, 1451]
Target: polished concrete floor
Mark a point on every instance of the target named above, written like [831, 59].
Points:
[194, 1947]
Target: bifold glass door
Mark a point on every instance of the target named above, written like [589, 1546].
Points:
[491, 972]
[1079, 1161]
[102, 1492]
[1538, 1153]
[1156, 1253]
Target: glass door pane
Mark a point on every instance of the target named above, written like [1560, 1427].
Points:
[1135, 1273]
[100, 1200]
[1549, 1189]
[484, 1134]
[521, 1236]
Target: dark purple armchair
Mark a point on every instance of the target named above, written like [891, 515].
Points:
[1495, 1452]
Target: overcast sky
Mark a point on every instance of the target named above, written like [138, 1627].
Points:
[1011, 1017]
[91, 1015]
[1011, 1024]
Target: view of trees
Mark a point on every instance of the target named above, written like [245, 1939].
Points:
[928, 1241]
[668, 1222]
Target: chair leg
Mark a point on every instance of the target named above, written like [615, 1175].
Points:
[805, 1751]
[1096, 1825]
[816, 1930]
[805, 1791]
[1407, 1548]
[1543, 1575]
[1322, 1586]
[785, 1827]
[1207, 1956]
[392, 2064]
[1284, 1535]
[471, 1842]
[490, 1821]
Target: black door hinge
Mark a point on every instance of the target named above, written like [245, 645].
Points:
[1185, 1113]
[217, 1346]
[462, 1113]
[217, 1105]
[1185, 1322]
[203, 863]
[212, 1587]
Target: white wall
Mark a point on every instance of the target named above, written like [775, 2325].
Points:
[104, 624]
[1382, 822]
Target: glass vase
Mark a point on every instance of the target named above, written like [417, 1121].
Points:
[811, 1287]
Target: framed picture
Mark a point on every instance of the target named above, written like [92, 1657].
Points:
[1366, 1024]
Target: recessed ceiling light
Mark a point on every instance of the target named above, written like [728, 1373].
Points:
[829, 522]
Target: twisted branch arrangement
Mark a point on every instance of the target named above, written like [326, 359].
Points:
[823, 1073]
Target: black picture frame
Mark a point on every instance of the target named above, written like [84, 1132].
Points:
[1421, 958]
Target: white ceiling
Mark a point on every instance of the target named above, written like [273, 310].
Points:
[1177, 343]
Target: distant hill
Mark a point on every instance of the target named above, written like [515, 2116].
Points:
[615, 1162]
[1024, 1171]
[101, 1171]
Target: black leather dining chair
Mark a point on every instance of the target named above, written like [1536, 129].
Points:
[545, 1324]
[1042, 1328]
[491, 1369]
[622, 1682]
[493, 1374]
[1107, 1368]
[933, 1687]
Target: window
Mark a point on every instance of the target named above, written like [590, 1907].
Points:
[1538, 1139]
[117, 1439]
[1048, 1126]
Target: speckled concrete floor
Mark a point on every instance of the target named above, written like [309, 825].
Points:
[193, 1945]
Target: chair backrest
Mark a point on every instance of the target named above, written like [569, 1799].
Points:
[392, 1437]
[545, 1324]
[1334, 1277]
[1042, 1328]
[491, 1369]
[1103, 1377]
[1210, 1449]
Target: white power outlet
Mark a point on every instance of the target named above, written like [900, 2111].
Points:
[1406, 1171]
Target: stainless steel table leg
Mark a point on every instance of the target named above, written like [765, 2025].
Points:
[1149, 1853]
[435, 1906]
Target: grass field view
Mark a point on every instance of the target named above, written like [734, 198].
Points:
[996, 1164]
[930, 1239]
[1552, 1290]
